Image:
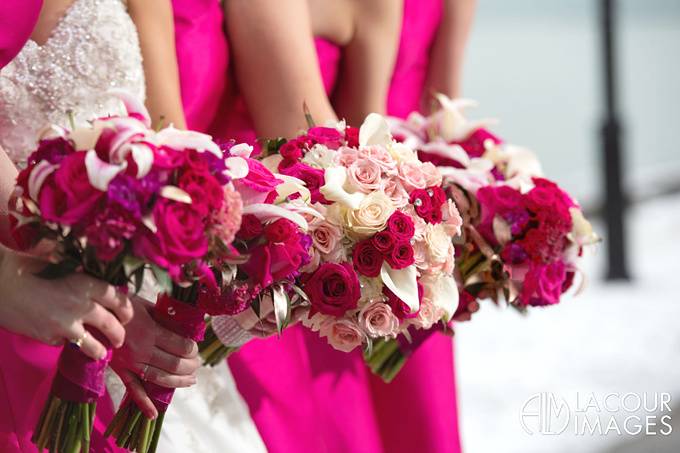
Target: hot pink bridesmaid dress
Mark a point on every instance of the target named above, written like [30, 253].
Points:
[423, 395]
[17, 19]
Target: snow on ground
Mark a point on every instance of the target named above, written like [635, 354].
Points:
[618, 337]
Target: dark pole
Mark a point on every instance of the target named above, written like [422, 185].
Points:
[615, 201]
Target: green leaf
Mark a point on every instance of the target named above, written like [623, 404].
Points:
[255, 305]
[138, 279]
[54, 271]
[281, 307]
[162, 278]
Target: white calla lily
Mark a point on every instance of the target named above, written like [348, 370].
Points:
[241, 149]
[132, 104]
[290, 186]
[450, 122]
[237, 167]
[333, 189]
[403, 283]
[181, 139]
[375, 131]
[266, 212]
[101, 173]
[443, 149]
[143, 157]
[174, 193]
[446, 296]
[38, 176]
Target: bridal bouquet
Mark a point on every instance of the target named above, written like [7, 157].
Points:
[111, 200]
[382, 257]
[273, 245]
[522, 233]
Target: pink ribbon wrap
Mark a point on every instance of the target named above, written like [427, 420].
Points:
[184, 319]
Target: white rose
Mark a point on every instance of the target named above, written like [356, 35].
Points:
[371, 216]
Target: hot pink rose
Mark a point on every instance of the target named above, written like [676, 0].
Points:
[401, 225]
[180, 235]
[333, 289]
[291, 150]
[312, 177]
[401, 255]
[251, 227]
[67, 197]
[411, 176]
[543, 284]
[260, 184]
[327, 136]
[281, 230]
[272, 262]
[207, 195]
[364, 175]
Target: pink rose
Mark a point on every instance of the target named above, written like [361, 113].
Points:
[395, 191]
[180, 235]
[364, 175]
[431, 174]
[67, 197]
[347, 156]
[451, 218]
[380, 156]
[333, 289]
[342, 334]
[411, 176]
[325, 236]
[259, 186]
[378, 321]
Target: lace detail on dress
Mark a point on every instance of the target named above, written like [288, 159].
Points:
[93, 49]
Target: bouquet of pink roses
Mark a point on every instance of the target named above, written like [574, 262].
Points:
[113, 199]
[272, 244]
[382, 253]
[522, 233]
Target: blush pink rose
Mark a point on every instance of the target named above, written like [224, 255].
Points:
[326, 237]
[379, 156]
[394, 189]
[378, 320]
[365, 175]
[412, 176]
[342, 334]
[432, 175]
[347, 156]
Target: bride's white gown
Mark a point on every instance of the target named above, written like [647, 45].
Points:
[95, 48]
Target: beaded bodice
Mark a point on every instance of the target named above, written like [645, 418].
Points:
[93, 49]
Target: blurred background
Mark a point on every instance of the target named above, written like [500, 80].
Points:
[537, 65]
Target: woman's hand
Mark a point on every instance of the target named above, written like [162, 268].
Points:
[52, 311]
[155, 354]
[264, 325]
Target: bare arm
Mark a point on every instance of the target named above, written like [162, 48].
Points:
[276, 64]
[369, 60]
[8, 175]
[446, 59]
[155, 26]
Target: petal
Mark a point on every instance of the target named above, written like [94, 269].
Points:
[403, 284]
[443, 149]
[143, 157]
[37, 177]
[133, 105]
[181, 140]
[237, 167]
[242, 150]
[290, 186]
[446, 296]
[375, 131]
[334, 190]
[266, 212]
[174, 193]
[101, 173]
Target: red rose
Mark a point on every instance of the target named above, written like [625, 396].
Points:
[401, 225]
[400, 309]
[327, 136]
[352, 136]
[273, 262]
[367, 259]
[291, 150]
[207, 195]
[422, 202]
[474, 144]
[333, 289]
[435, 216]
[67, 197]
[438, 196]
[384, 241]
[401, 256]
[251, 227]
[282, 230]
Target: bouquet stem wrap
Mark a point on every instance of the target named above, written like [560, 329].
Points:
[65, 424]
[129, 426]
[388, 357]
